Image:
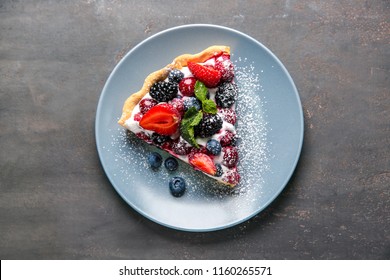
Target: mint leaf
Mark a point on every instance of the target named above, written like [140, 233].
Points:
[196, 119]
[209, 106]
[191, 119]
[200, 91]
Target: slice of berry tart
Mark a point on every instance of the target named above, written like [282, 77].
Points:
[188, 109]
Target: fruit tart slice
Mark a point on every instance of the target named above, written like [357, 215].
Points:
[188, 109]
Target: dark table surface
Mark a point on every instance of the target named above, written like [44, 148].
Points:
[55, 200]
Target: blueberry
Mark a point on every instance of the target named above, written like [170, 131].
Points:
[177, 186]
[171, 164]
[155, 160]
[213, 147]
[192, 102]
[219, 170]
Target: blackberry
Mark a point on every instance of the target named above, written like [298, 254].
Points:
[192, 102]
[163, 91]
[159, 139]
[209, 125]
[226, 95]
[175, 76]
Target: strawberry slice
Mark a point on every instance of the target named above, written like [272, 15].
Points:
[203, 162]
[206, 74]
[162, 118]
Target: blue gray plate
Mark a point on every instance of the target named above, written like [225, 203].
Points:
[270, 123]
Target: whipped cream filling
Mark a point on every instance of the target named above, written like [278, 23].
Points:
[133, 125]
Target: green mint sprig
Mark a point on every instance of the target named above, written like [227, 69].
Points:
[208, 106]
[191, 119]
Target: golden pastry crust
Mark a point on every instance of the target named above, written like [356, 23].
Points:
[160, 75]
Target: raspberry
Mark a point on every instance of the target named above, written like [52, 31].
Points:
[232, 177]
[228, 139]
[163, 91]
[225, 66]
[228, 115]
[146, 103]
[181, 147]
[230, 156]
[226, 95]
[143, 136]
[187, 86]
[138, 116]
[209, 125]
[177, 103]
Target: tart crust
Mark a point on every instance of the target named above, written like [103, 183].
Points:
[160, 75]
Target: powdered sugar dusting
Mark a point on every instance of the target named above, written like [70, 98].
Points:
[251, 127]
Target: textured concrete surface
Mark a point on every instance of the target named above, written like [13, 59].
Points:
[55, 201]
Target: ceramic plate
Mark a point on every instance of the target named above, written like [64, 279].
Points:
[270, 123]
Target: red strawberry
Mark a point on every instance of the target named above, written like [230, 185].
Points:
[206, 74]
[187, 86]
[203, 162]
[163, 119]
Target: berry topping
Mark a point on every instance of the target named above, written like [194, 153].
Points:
[213, 147]
[175, 76]
[206, 74]
[162, 118]
[138, 116]
[146, 103]
[209, 125]
[159, 139]
[228, 115]
[163, 91]
[187, 86]
[219, 172]
[232, 177]
[228, 139]
[143, 136]
[177, 186]
[192, 102]
[203, 162]
[230, 156]
[155, 160]
[181, 147]
[226, 95]
[171, 164]
[178, 104]
[224, 65]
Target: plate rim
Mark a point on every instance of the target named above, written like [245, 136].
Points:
[264, 205]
